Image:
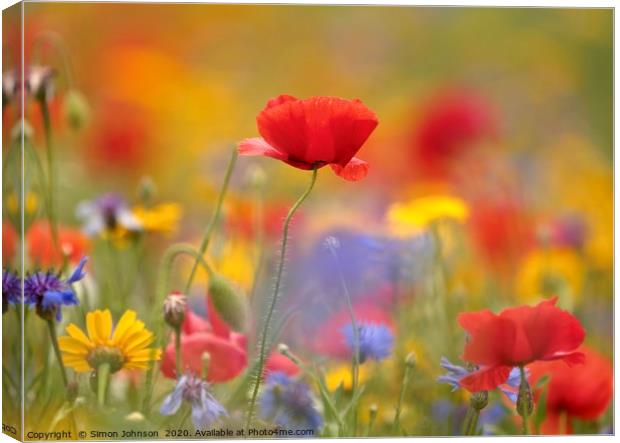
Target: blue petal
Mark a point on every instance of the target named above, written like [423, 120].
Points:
[78, 274]
[172, 402]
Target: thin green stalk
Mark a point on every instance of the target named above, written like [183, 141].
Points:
[324, 391]
[214, 219]
[524, 401]
[103, 374]
[52, 330]
[51, 174]
[274, 299]
[355, 360]
[471, 421]
[372, 415]
[177, 350]
[401, 398]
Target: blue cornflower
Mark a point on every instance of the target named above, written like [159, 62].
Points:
[11, 289]
[456, 373]
[48, 292]
[375, 340]
[289, 403]
[205, 408]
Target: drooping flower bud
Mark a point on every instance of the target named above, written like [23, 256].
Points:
[76, 109]
[147, 191]
[175, 306]
[228, 301]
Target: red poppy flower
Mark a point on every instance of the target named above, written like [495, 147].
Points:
[280, 363]
[41, 249]
[451, 121]
[516, 337]
[581, 391]
[226, 349]
[331, 342]
[9, 242]
[314, 132]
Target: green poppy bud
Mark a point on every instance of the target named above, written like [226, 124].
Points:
[76, 109]
[228, 301]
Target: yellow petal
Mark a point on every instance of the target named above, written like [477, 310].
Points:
[144, 355]
[103, 323]
[137, 341]
[72, 346]
[90, 326]
[78, 335]
[134, 329]
[126, 321]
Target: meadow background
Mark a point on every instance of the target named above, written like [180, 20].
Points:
[172, 88]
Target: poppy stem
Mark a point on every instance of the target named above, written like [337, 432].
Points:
[53, 337]
[103, 374]
[265, 332]
[214, 218]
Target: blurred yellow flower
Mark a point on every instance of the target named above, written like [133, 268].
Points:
[236, 262]
[124, 348]
[162, 218]
[341, 374]
[409, 218]
[551, 271]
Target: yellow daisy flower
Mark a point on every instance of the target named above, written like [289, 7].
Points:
[162, 218]
[410, 218]
[124, 348]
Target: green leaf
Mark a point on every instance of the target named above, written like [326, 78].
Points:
[541, 404]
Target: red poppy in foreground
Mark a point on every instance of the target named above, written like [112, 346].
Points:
[72, 245]
[226, 349]
[516, 337]
[581, 391]
[314, 132]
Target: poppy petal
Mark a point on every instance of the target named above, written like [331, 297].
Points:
[486, 379]
[258, 146]
[355, 170]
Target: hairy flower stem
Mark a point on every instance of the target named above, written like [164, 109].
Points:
[51, 174]
[274, 299]
[401, 398]
[214, 218]
[103, 374]
[53, 337]
[525, 404]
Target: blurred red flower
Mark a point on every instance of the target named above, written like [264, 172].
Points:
[329, 339]
[120, 137]
[451, 121]
[9, 242]
[226, 349]
[581, 391]
[73, 244]
[280, 363]
[517, 336]
[501, 230]
[313, 133]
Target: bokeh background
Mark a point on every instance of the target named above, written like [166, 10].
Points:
[171, 88]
